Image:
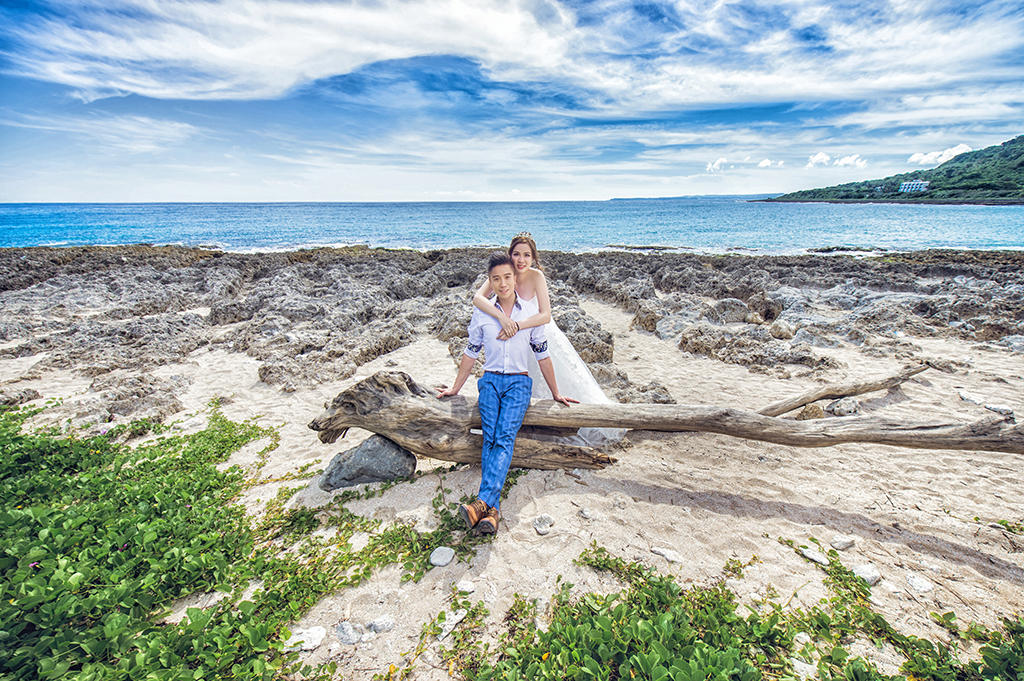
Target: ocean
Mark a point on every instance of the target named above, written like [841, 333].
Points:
[704, 224]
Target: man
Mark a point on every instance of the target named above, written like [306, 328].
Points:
[504, 388]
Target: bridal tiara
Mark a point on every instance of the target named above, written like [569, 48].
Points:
[523, 235]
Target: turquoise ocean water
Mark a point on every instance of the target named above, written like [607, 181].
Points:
[709, 223]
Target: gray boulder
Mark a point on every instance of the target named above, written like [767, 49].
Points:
[1015, 343]
[782, 329]
[728, 310]
[16, 397]
[846, 406]
[376, 459]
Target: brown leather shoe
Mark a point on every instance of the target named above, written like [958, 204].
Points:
[489, 523]
[472, 513]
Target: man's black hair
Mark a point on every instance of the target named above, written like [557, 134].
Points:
[498, 258]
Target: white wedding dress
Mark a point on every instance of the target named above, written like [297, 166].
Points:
[574, 380]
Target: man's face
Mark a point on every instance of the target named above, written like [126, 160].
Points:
[503, 280]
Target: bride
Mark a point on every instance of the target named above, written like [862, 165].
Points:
[571, 373]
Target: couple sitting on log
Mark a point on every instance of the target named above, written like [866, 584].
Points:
[505, 387]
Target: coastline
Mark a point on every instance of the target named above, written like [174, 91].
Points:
[937, 202]
[127, 332]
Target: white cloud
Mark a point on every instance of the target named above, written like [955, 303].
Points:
[818, 159]
[852, 160]
[968, 105]
[937, 157]
[768, 163]
[135, 134]
[250, 49]
[237, 49]
[717, 165]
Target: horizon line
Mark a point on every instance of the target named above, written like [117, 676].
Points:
[616, 198]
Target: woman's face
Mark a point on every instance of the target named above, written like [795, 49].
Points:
[522, 257]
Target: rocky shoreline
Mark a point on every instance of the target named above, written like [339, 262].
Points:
[313, 316]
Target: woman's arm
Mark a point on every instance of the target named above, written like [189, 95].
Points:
[547, 370]
[482, 301]
[543, 315]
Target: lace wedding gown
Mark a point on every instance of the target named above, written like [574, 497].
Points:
[574, 380]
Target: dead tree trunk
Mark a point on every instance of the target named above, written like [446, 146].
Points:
[395, 406]
[837, 390]
[392, 404]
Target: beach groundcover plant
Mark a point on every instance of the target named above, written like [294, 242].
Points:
[100, 537]
[657, 631]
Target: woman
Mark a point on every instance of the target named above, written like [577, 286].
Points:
[571, 373]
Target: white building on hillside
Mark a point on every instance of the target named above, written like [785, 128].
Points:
[914, 186]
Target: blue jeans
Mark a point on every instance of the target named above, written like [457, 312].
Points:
[503, 402]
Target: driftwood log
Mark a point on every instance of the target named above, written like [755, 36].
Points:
[392, 404]
[837, 390]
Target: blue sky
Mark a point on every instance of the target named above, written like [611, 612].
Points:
[294, 100]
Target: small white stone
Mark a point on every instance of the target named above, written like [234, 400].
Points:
[844, 407]
[543, 523]
[869, 573]
[968, 397]
[1000, 409]
[803, 669]
[441, 556]
[842, 542]
[919, 584]
[381, 624]
[466, 586]
[667, 553]
[586, 513]
[368, 636]
[802, 638]
[310, 638]
[451, 620]
[815, 555]
[347, 633]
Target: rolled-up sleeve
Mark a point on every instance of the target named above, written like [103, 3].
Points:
[476, 335]
[539, 342]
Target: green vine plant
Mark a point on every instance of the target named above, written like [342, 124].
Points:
[100, 538]
[656, 630]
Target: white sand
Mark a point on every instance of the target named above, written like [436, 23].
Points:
[709, 498]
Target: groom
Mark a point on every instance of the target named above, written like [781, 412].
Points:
[504, 388]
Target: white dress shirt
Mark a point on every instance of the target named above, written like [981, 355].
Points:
[506, 356]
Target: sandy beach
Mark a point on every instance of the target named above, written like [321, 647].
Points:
[123, 333]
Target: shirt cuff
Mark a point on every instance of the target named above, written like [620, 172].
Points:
[473, 350]
[540, 350]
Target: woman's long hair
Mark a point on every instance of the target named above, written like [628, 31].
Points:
[526, 238]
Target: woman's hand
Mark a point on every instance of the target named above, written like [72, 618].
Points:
[564, 400]
[509, 328]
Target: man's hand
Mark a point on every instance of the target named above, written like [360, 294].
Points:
[445, 391]
[564, 400]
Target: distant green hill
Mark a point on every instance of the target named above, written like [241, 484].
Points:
[991, 175]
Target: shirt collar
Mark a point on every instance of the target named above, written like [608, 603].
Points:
[515, 305]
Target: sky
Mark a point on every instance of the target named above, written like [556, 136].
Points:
[482, 100]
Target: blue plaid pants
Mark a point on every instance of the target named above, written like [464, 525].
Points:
[503, 402]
